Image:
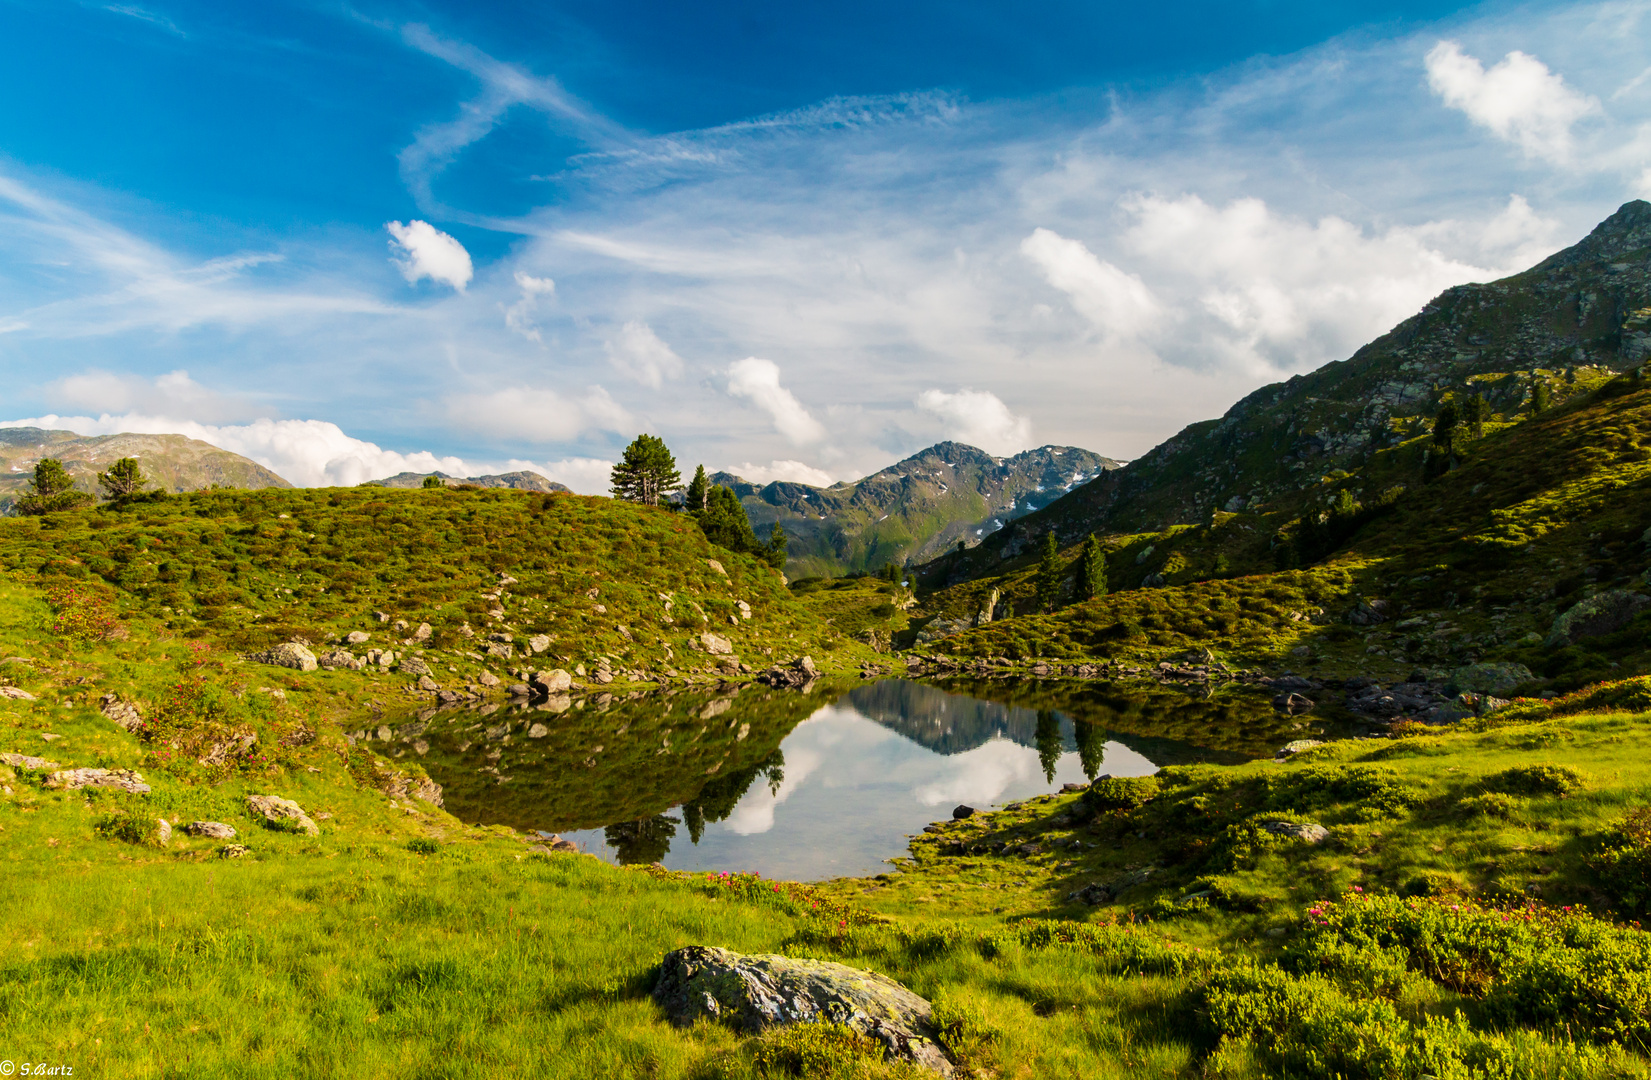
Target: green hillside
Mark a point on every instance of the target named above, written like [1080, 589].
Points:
[1566, 323]
[912, 510]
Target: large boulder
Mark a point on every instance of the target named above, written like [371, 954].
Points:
[798, 675]
[282, 813]
[1489, 678]
[555, 681]
[716, 644]
[288, 654]
[1604, 613]
[757, 993]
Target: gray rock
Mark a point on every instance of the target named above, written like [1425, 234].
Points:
[1297, 746]
[426, 683]
[24, 761]
[233, 851]
[15, 693]
[501, 649]
[759, 993]
[1489, 678]
[123, 713]
[281, 813]
[798, 675]
[1368, 613]
[537, 731]
[340, 658]
[357, 637]
[163, 832]
[1309, 833]
[1605, 613]
[414, 665]
[212, 830]
[555, 681]
[716, 644]
[422, 633]
[119, 779]
[538, 643]
[289, 655]
[487, 678]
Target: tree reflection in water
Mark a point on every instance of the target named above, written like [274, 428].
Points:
[1049, 743]
[649, 839]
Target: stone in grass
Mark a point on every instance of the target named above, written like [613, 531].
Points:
[1488, 678]
[212, 830]
[122, 713]
[233, 851]
[414, 665]
[119, 779]
[357, 637]
[759, 993]
[282, 813]
[15, 693]
[24, 761]
[1604, 613]
[959, 813]
[289, 654]
[1309, 832]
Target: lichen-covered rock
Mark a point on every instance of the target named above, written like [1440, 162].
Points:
[288, 654]
[716, 644]
[757, 993]
[282, 813]
[24, 761]
[1489, 678]
[538, 643]
[340, 658]
[15, 693]
[1605, 613]
[119, 779]
[414, 665]
[357, 637]
[1308, 833]
[555, 681]
[123, 713]
[212, 830]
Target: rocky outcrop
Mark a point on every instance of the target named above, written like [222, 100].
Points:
[117, 779]
[758, 993]
[797, 675]
[1307, 833]
[288, 655]
[24, 761]
[1605, 613]
[340, 658]
[1489, 678]
[283, 814]
[123, 713]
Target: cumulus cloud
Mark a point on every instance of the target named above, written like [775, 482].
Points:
[537, 415]
[979, 418]
[637, 353]
[420, 250]
[519, 316]
[309, 453]
[758, 381]
[794, 472]
[1518, 99]
[1270, 292]
[1118, 303]
[173, 393]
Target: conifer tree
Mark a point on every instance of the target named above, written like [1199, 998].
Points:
[123, 480]
[1475, 411]
[1444, 426]
[645, 472]
[694, 503]
[1049, 573]
[1091, 570]
[774, 550]
[53, 489]
[1541, 397]
[432, 482]
[724, 521]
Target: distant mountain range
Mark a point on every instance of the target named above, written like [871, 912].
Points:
[173, 462]
[1560, 323]
[521, 480]
[913, 510]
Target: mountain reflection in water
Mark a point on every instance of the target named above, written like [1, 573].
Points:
[806, 785]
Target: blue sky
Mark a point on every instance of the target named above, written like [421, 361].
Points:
[795, 240]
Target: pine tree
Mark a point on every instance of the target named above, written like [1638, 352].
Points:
[53, 490]
[1091, 570]
[645, 472]
[725, 523]
[1444, 426]
[123, 480]
[1049, 573]
[1541, 397]
[433, 482]
[774, 550]
[694, 503]
[1475, 411]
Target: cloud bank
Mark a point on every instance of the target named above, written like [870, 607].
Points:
[420, 250]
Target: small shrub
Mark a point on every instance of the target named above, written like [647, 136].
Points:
[423, 846]
[1535, 780]
[1121, 792]
[1494, 804]
[818, 1050]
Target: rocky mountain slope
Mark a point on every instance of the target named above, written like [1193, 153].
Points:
[1560, 323]
[521, 480]
[174, 462]
[915, 509]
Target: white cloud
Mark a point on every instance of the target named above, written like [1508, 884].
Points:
[420, 250]
[979, 418]
[1519, 99]
[587, 476]
[536, 415]
[1118, 303]
[794, 472]
[309, 453]
[171, 394]
[638, 354]
[519, 316]
[758, 381]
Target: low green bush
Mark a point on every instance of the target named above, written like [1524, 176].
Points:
[1535, 780]
[1121, 792]
[1489, 804]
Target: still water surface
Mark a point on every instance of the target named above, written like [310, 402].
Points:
[810, 786]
